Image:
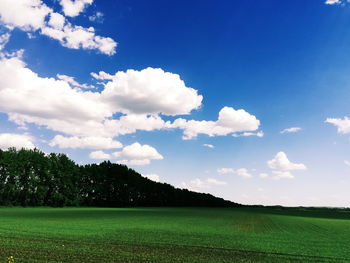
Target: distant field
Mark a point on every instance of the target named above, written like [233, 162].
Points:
[174, 235]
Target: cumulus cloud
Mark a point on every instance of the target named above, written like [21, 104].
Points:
[229, 121]
[84, 142]
[153, 177]
[209, 145]
[150, 91]
[61, 105]
[134, 154]
[343, 125]
[18, 141]
[56, 21]
[99, 155]
[75, 7]
[291, 130]
[52, 102]
[225, 171]
[25, 14]
[281, 162]
[34, 15]
[137, 154]
[57, 105]
[78, 37]
[282, 166]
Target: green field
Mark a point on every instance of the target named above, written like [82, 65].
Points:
[174, 235]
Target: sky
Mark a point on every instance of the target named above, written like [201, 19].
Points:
[246, 100]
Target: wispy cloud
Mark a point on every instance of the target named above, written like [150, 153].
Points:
[225, 171]
[291, 130]
[201, 184]
[333, 2]
[242, 172]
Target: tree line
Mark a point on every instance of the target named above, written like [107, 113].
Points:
[33, 178]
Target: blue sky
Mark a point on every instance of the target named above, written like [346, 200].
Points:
[247, 100]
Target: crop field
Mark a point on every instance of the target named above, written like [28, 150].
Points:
[174, 235]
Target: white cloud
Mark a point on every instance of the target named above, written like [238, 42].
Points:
[75, 7]
[212, 181]
[150, 91]
[281, 162]
[153, 177]
[229, 121]
[199, 184]
[57, 21]
[343, 125]
[25, 14]
[137, 154]
[291, 130]
[73, 82]
[99, 155]
[247, 134]
[97, 17]
[52, 102]
[347, 162]
[282, 166]
[132, 122]
[4, 38]
[209, 145]
[57, 105]
[225, 171]
[243, 172]
[134, 154]
[78, 37]
[135, 162]
[101, 75]
[18, 141]
[333, 2]
[83, 127]
[84, 142]
[282, 175]
[263, 175]
[34, 15]
[138, 151]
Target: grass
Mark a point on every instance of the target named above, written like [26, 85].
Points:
[174, 235]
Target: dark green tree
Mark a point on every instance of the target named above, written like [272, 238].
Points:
[33, 178]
